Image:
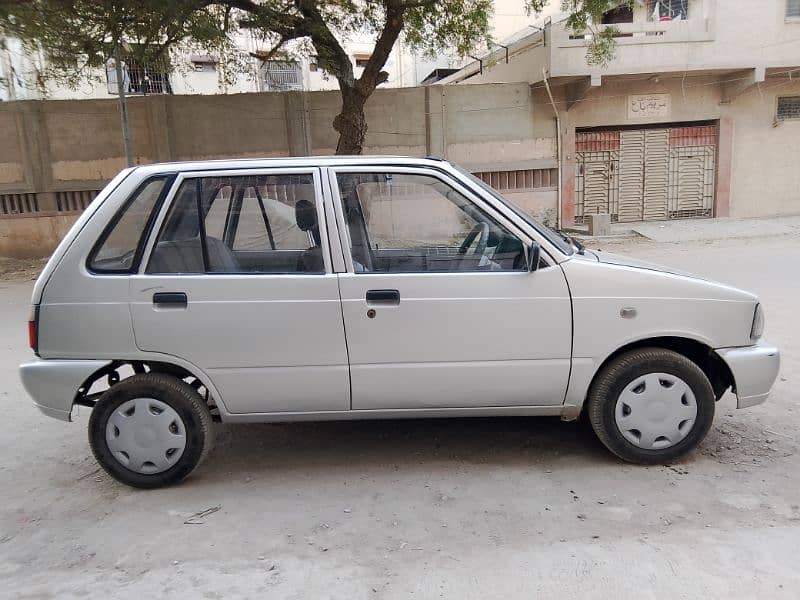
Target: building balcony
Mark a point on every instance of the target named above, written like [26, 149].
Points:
[642, 47]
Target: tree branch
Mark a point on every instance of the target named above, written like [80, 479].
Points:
[373, 76]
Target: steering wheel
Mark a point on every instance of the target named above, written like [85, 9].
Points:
[481, 231]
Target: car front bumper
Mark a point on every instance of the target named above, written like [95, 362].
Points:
[53, 383]
[754, 370]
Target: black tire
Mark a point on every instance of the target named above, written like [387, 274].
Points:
[170, 390]
[621, 371]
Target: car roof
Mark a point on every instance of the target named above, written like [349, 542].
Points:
[289, 161]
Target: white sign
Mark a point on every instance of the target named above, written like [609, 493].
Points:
[649, 106]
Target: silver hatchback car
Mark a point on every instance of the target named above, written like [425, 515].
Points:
[365, 288]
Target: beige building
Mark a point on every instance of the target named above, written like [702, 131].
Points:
[698, 114]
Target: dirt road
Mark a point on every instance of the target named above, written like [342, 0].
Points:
[483, 508]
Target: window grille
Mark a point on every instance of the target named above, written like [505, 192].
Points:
[527, 179]
[281, 76]
[669, 10]
[788, 107]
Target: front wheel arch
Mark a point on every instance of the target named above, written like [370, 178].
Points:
[704, 356]
[659, 415]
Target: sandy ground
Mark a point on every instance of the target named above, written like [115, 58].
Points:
[482, 508]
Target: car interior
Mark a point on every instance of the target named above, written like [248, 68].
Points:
[249, 225]
[269, 224]
[486, 247]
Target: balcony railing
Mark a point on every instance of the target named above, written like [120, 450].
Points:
[646, 32]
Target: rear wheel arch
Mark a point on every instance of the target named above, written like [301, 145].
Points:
[120, 370]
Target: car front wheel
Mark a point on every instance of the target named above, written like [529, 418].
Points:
[651, 405]
[150, 430]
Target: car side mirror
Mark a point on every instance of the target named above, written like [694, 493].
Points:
[532, 256]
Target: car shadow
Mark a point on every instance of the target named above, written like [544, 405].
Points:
[358, 445]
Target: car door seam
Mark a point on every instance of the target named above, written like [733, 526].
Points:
[346, 346]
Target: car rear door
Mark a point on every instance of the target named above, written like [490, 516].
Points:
[440, 310]
[238, 281]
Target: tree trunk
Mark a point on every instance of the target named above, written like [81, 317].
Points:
[123, 107]
[351, 123]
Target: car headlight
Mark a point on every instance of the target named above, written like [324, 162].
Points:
[757, 330]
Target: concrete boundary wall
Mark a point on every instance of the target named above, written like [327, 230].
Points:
[56, 155]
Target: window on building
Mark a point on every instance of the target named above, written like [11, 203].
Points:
[140, 77]
[620, 14]
[281, 76]
[522, 180]
[667, 10]
[793, 8]
[788, 108]
[361, 59]
[203, 63]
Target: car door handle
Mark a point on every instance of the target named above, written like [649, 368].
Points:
[174, 298]
[383, 297]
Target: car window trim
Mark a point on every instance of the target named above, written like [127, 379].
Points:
[180, 177]
[169, 179]
[444, 177]
[265, 217]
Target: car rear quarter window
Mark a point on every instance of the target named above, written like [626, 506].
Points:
[120, 245]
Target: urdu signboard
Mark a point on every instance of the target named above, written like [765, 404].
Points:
[649, 106]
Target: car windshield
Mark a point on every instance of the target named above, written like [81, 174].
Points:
[552, 236]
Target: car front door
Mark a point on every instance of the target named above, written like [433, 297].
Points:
[238, 282]
[439, 307]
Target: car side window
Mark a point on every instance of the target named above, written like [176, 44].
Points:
[407, 223]
[122, 241]
[242, 224]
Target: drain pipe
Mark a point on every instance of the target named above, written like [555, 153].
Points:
[558, 144]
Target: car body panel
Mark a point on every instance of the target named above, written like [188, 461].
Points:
[626, 261]
[269, 342]
[83, 315]
[52, 383]
[301, 346]
[101, 200]
[754, 370]
[459, 340]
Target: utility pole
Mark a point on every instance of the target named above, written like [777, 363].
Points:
[123, 105]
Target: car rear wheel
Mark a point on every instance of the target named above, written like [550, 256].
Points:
[150, 430]
[651, 405]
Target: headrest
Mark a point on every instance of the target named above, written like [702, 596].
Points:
[305, 213]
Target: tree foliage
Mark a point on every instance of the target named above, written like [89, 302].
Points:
[78, 35]
[583, 17]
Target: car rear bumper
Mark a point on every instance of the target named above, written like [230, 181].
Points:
[53, 383]
[754, 369]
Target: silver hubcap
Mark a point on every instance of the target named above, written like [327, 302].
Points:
[656, 411]
[146, 435]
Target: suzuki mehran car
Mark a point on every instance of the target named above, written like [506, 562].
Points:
[365, 288]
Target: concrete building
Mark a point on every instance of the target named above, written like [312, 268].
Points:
[698, 114]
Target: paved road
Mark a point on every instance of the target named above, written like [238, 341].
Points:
[483, 508]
